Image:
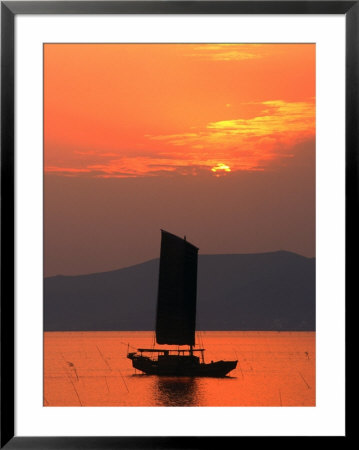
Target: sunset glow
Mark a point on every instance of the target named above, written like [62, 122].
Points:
[221, 167]
[179, 209]
[139, 110]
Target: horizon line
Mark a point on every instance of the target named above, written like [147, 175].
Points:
[157, 258]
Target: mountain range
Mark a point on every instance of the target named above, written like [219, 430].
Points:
[262, 291]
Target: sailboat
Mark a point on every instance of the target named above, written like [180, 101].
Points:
[176, 318]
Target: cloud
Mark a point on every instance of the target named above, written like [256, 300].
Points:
[243, 144]
[219, 148]
[228, 52]
[66, 170]
[278, 118]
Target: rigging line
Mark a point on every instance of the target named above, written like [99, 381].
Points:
[128, 345]
[200, 334]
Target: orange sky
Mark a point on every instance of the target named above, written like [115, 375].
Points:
[135, 110]
[215, 142]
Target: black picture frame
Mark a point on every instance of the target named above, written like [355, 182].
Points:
[9, 10]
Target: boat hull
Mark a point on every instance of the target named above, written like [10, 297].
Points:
[182, 366]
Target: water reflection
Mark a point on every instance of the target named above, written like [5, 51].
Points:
[176, 391]
[274, 369]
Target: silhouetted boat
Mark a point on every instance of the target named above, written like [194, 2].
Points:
[176, 317]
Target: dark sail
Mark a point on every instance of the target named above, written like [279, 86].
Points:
[177, 290]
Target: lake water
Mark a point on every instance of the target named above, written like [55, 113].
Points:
[91, 369]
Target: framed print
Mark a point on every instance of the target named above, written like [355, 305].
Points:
[179, 185]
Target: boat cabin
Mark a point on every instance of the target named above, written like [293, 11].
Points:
[174, 353]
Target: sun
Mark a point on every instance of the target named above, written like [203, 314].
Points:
[220, 168]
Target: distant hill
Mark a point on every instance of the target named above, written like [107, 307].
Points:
[266, 291]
